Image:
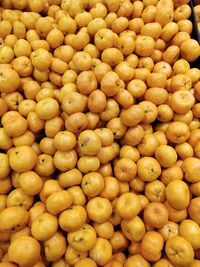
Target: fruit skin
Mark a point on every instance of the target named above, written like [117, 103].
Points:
[179, 244]
[102, 245]
[190, 231]
[39, 230]
[13, 218]
[177, 194]
[156, 214]
[24, 250]
[190, 50]
[190, 167]
[22, 159]
[87, 234]
[9, 80]
[152, 245]
[128, 206]
[99, 131]
[133, 229]
[89, 142]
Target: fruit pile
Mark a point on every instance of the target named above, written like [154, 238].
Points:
[197, 14]
[99, 134]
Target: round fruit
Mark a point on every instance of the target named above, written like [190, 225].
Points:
[9, 80]
[179, 251]
[24, 250]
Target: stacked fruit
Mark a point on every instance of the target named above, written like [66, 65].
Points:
[197, 14]
[99, 134]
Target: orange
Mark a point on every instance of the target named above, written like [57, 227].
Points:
[133, 229]
[164, 16]
[126, 44]
[4, 107]
[86, 82]
[44, 108]
[151, 29]
[13, 218]
[119, 25]
[104, 38]
[72, 256]
[69, 224]
[190, 168]
[148, 169]
[55, 38]
[77, 195]
[184, 150]
[37, 209]
[106, 134]
[92, 184]
[110, 83]
[23, 158]
[41, 59]
[112, 56]
[72, 102]
[180, 82]
[169, 230]
[111, 188]
[166, 155]
[125, 71]
[125, 169]
[4, 164]
[49, 186]
[179, 251]
[83, 239]
[99, 209]
[176, 215]
[132, 116]
[114, 263]
[9, 80]
[18, 198]
[24, 250]
[128, 205]
[30, 182]
[104, 230]
[151, 246]
[144, 45]
[39, 230]
[70, 178]
[163, 263]
[148, 14]
[155, 191]
[171, 54]
[136, 260]
[156, 214]
[194, 208]
[118, 242]
[190, 50]
[156, 79]
[150, 111]
[58, 201]
[177, 194]
[149, 145]
[178, 132]
[189, 229]
[82, 61]
[102, 248]
[156, 95]
[88, 163]
[168, 31]
[85, 262]
[195, 263]
[89, 142]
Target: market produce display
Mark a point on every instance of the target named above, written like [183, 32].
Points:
[99, 134]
